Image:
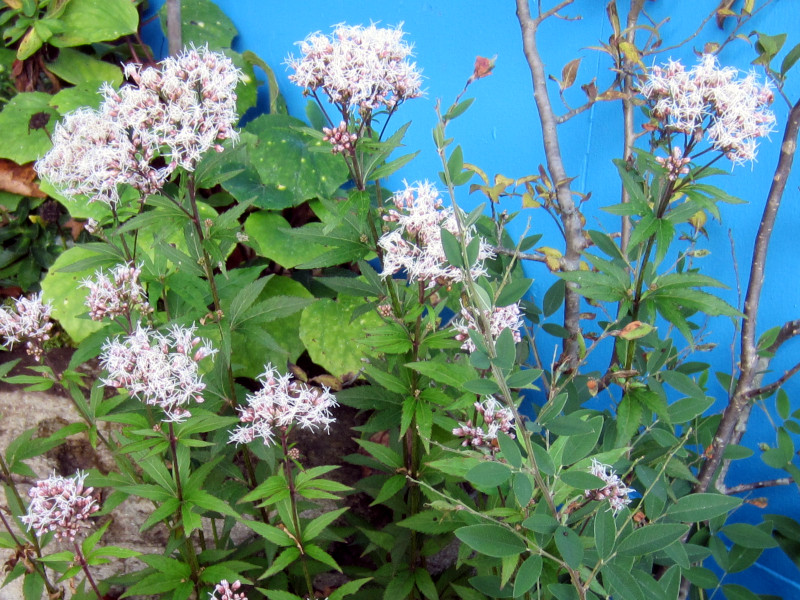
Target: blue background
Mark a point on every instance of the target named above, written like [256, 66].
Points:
[501, 134]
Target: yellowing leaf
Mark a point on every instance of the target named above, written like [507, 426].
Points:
[635, 330]
[631, 54]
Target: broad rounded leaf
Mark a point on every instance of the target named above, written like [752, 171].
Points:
[273, 238]
[21, 143]
[76, 67]
[203, 22]
[491, 540]
[281, 155]
[88, 21]
[331, 338]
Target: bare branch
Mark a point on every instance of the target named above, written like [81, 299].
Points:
[787, 332]
[569, 212]
[518, 255]
[768, 389]
[749, 487]
[174, 43]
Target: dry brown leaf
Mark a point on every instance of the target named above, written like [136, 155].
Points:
[19, 179]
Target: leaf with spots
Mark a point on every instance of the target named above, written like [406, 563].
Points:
[334, 341]
[288, 162]
[202, 22]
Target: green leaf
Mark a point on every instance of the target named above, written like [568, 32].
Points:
[510, 450]
[22, 144]
[203, 22]
[488, 474]
[349, 588]
[87, 22]
[382, 454]
[453, 374]
[687, 409]
[738, 592]
[749, 536]
[290, 172]
[527, 575]
[452, 249]
[524, 378]
[629, 417]
[701, 507]
[491, 540]
[332, 338]
[581, 480]
[569, 545]
[622, 582]
[605, 532]
[78, 68]
[390, 487]
[319, 554]
[790, 59]
[650, 538]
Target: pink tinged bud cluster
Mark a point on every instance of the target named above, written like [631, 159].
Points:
[496, 419]
[157, 369]
[732, 112]
[615, 491]
[175, 113]
[416, 245]
[27, 323]
[280, 403]
[227, 591]
[61, 505]
[502, 317]
[675, 163]
[115, 294]
[359, 68]
[341, 140]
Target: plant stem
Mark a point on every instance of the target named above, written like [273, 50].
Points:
[287, 463]
[190, 551]
[85, 567]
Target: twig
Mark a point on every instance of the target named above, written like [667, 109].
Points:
[518, 255]
[768, 389]
[749, 487]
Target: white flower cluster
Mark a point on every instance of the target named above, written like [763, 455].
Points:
[359, 68]
[503, 317]
[61, 505]
[227, 591]
[29, 322]
[117, 293]
[160, 370]
[175, 112]
[496, 418]
[280, 403]
[416, 245]
[731, 111]
[615, 491]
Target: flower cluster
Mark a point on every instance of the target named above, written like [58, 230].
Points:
[503, 317]
[280, 403]
[676, 164]
[341, 140]
[359, 68]
[174, 113]
[732, 112]
[495, 416]
[160, 370]
[227, 591]
[117, 293]
[61, 505]
[615, 491]
[29, 322]
[416, 245]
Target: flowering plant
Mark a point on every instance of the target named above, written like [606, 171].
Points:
[325, 394]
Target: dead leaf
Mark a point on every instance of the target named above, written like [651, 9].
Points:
[19, 179]
[569, 73]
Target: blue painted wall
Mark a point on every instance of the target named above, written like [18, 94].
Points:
[500, 133]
